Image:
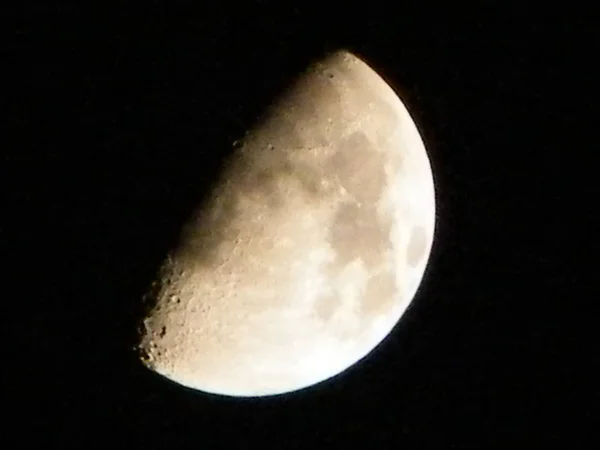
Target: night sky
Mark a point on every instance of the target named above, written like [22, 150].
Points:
[116, 119]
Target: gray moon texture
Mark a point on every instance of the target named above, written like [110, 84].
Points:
[310, 247]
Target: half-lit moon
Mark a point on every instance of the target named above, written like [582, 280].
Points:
[310, 249]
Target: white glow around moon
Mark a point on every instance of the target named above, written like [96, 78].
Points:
[310, 249]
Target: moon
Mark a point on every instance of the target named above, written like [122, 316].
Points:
[310, 247]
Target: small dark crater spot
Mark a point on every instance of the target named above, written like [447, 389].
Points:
[163, 331]
[144, 355]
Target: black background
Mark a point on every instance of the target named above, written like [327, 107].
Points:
[116, 119]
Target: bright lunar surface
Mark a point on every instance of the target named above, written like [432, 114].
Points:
[310, 248]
